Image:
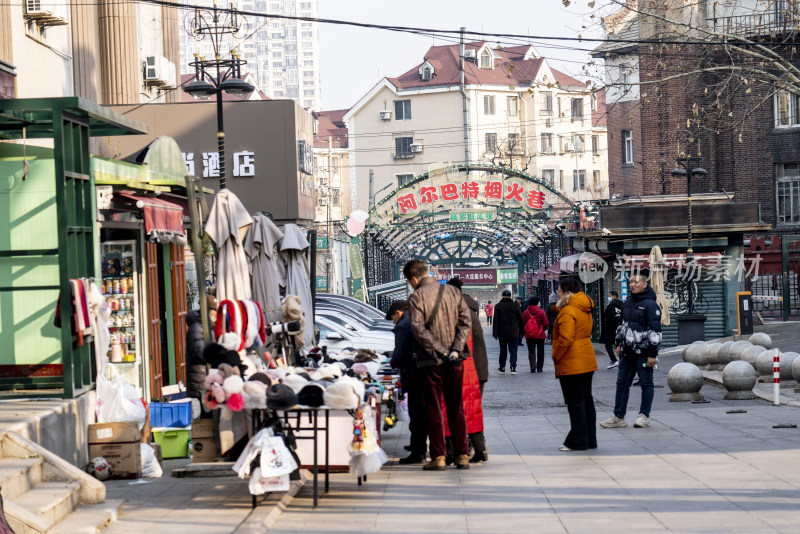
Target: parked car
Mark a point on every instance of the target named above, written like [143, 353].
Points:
[365, 323]
[336, 337]
[353, 304]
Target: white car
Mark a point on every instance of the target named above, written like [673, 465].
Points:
[336, 337]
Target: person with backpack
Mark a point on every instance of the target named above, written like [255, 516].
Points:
[536, 325]
[489, 311]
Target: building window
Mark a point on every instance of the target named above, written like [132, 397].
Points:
[514, 145]
[578, 180]
[546, 103]
[787, 176]
[578, 144]
[487, 61]
[577, 108]
[595, 178]
[627, 147]
[595, 145]
[787, 109]
[547, 143]
[307, 35]
[491, 142]
[512, 106]
[308, 92]
[488, 104]
[402, 110]
[549, 176]
[625, 78]
[593, 102]
[426, 73]
[308, 73]
[336, 196]
[402, 147]
[561, 179]
[403, 179]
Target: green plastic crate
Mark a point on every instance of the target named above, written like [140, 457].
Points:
[174, 441]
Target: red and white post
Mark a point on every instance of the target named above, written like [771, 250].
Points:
[776, 377]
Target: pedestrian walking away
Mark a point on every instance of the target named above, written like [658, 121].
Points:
[536, 325]
[489, 311]
[507, 328]
[440, 323]
[552, 312]
[637, 341]
[575, 363]
[403, 359]
[521, 303]
[611, 321]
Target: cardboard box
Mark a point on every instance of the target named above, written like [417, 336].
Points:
[157, 450]
[119, 444]
[204, 442]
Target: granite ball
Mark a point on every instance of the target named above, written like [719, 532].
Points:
[724, 352]
[796, 373]
[760, 338]
[787, 361]
[737, 349]
[685, 381]
[764, 364]
[697, 353]
[739, 378]
[751, 354]
[713, 353]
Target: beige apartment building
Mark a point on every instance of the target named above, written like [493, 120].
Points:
[511, 109]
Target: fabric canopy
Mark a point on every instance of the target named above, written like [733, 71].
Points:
[259, 245]
[293, 246]
[227, 224]
[567, 264]
[163, 220]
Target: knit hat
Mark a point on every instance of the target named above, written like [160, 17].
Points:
[312, 394]
[281, 397]
[261, 377]
[255, 395]
[344, 394]
[295, 382]
[230, 340]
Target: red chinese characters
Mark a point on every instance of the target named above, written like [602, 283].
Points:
[428, 195]
[449, 192]
[514, 191]
[493, 190]
[470, 190]
[407, 203]
[535, 200]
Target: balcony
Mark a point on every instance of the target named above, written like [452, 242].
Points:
[758, 24]
[403, 155]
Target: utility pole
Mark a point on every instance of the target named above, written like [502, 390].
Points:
[328, 219]
[462, 86]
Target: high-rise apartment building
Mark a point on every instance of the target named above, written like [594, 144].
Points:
[282, 54]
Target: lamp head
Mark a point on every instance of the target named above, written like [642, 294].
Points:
[699, 171]
[678, 172]
[200, 89]
[236, 87]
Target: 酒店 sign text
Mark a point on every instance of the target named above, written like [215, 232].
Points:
[244, 164]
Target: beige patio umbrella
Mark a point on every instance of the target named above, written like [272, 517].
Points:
[657, 282]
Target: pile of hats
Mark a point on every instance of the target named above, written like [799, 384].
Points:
[284, 388]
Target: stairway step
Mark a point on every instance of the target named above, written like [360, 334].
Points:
[52, 501]
[90, 519]
[18, 475]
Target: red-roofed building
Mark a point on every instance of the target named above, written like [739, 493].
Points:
[331, 169]
[514, 110]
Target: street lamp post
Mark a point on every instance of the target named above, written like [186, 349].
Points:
[218, 75]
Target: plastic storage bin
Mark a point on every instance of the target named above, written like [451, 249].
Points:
[170, 414]
[174, 442]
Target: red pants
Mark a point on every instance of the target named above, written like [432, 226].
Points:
[443, 383]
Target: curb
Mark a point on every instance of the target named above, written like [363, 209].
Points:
[266, 514]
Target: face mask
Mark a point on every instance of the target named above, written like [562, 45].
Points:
[610, 299]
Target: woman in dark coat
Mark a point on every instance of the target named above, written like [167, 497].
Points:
[195, 343]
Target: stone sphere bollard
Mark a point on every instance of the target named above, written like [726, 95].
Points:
[760, 338]
[714, 356]
[737, 349]
[697, 353]
[739, 378]
[787, 361]
[751, 354]
[685, 381]
[796, 374]
[724, 354]
[764, 364]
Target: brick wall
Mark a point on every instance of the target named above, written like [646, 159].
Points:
[624, 180]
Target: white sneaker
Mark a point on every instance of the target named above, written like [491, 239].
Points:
[612, 365]
[641, 421]
[613, 422]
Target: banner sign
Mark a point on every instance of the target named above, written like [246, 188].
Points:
[473, 215]
[322, 283]
[356, 270]
[507, 276]
[322, 243]
[470, 277]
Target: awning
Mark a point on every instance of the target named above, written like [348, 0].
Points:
[564, 265]
[163, 220]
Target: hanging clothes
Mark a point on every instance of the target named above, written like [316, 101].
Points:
[227, 225]
[80, 321]
[260, 247]
[293, 247]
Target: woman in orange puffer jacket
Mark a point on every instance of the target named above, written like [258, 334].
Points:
[575, 363]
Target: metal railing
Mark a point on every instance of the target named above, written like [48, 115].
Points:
[757, 24]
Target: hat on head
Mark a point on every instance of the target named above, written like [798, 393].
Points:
[506, 293]
[230, 340]
[397, 305]
[281, 397]
[312, 394]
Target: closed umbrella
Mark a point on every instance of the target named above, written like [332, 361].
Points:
[293, 245]
[657, 282]
[259, 246]
[227, 224]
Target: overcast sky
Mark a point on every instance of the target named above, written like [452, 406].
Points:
[353, 60]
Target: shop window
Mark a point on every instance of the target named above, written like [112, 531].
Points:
[787, 177]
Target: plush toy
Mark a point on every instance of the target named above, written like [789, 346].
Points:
[209, 401]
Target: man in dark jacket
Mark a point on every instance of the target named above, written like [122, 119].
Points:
[508, 327]
[637, 342]
[612, 318]
[195, 343]
[403, 359]
[440, 322]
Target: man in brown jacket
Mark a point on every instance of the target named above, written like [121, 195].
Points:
[440, 322]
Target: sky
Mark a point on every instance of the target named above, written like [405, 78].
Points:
[353, 60]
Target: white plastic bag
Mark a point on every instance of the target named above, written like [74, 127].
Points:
[117, 400]
[260, 486]
[150, 467]
[276, 460]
